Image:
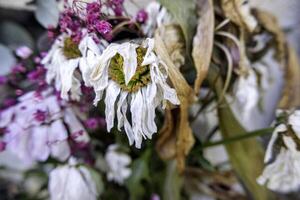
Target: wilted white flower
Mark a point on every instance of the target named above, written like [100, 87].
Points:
[282, 173]
[134, 79]
[72, 182]
[157, 16]
[117, 163]
[247, 93]
[35, 128]
[64, 57]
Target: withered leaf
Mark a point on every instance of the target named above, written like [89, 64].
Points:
[166, 144]
[238, 11]
[203, 41]
[174, 40]
[184, 135]
[270, 24]
[291, 91]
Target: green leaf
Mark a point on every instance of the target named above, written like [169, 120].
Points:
[246, 156]
[173, 182]
[140, 171]
[184, 13]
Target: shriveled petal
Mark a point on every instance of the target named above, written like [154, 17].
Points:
[150, 57]
[128, 52]
[112, 93]
[68, 79]
[39, 146]
[120, 115]
[137, 108]
[75, 126]
[269, 151]
[294, 121]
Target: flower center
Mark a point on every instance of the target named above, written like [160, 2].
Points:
[70, 49]
[141, 77]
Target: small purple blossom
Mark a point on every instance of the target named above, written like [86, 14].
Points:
[40, 115]
[91, 123]
[117, 2]
[142, 16]
[19, 92]
[23, 52]
[103, 27]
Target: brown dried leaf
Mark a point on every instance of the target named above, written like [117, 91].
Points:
[166, 144]
[239, 12]
[216, 184]
[270, 24]
[174, 40]
[291, 91]
[183, 131]
[203, 41]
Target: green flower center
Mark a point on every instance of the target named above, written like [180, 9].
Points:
[141, 77]
[70, 49]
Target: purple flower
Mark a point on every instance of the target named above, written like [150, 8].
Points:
[19, 92]
[93, 7]
[91, 123]
[142, 16]
[103, 27]
[117, 2]
[40, 115]
[23, 52]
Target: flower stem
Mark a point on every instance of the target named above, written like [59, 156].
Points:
[239, 137]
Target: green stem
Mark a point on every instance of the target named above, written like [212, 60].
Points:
[239, 137]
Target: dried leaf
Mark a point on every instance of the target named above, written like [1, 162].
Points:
[219, 185]
[203, 41]
[238, 11]
[291, 91]
[174, 40]
[166, 144]
[270, 24]
[184, 135]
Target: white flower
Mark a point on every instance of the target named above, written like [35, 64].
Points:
[72, 182]
[282, 173]
[64, 58]
[157, 16]
[247, 93]
[35, 128]
[135, 80]
[117, 163]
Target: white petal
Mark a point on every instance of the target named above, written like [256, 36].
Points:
[68, 80]
[269, 151]
[136, 110]
[39, 147]
[122, 102]
[112, 93]
[128, 52]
